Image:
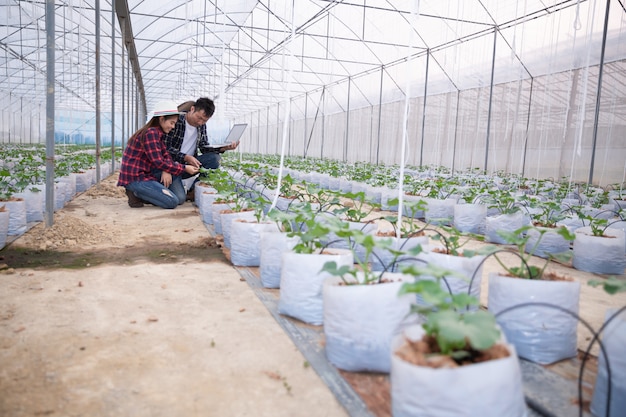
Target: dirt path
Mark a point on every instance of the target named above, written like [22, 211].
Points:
[135, 312]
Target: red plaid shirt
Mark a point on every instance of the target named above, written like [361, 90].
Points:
[146, 153]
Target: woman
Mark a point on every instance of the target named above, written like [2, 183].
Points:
[147, 168]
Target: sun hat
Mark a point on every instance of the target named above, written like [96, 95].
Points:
[164, 108]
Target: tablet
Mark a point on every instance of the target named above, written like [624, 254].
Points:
[233, 136]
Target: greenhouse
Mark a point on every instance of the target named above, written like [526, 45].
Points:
[373, 207]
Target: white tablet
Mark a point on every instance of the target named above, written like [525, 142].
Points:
[233, 136]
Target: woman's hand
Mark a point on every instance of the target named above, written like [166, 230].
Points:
[191, 170]
[166, 178]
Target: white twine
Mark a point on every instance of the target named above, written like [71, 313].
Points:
[413, 19]
[287, 100]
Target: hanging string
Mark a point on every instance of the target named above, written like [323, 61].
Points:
[577, 24]
[407, 100]
[547, 115]
[581, 113]
[287, 99]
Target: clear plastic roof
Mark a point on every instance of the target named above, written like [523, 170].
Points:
[496, 84]
[240, 51]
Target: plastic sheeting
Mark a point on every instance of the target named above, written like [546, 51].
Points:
[494, 85]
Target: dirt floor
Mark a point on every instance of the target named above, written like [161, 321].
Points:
[115, 311]
[138, 312]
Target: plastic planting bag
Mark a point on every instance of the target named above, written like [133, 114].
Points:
[227, 220]
[470, 268]
[273, 245]
[470, 218]
[551, 243]
[601, 255]
[60, 195]
[382, 258]
[361, 320]
[34, 203]
[487, 389]
[301, 283]
[216, 209]
[359, 251]
[614, 340]
[245, 240]
[505, 222]
[17, 217]
[83, 181]
[439, 212]
[541, 334]
[4, 226]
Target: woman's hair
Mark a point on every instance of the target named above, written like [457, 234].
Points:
[186, 106]
[154, 122]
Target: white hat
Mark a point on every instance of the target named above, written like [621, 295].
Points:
[164, 108]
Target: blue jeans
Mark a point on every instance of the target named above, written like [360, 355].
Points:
[176, 186]
[156, 193]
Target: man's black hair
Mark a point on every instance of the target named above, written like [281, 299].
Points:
[206, 104]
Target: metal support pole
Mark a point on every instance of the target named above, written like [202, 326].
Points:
[530, 100]
[306, 122]
[122, 26]
[493, 65]
[456, 128]
[598, 94]
[258, 132]
[424, 109]
[113, 86]
[49, 113]
[380, 113]
[267, 130]
[278, 129]
[98, 112]
[323, 128]
[345, 145]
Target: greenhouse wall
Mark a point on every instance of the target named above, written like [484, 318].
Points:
[541, 127]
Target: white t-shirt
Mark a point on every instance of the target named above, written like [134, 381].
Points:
[190, 140]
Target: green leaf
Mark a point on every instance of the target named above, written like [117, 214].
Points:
[612, 285]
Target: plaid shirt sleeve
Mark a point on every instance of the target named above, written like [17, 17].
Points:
[174, 140]
[146, 153]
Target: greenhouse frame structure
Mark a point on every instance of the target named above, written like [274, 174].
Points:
[536, 88]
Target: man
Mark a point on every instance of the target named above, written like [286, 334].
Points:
[189, 136]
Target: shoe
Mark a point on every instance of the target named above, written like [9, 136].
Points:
[133, 200]
[191, 195]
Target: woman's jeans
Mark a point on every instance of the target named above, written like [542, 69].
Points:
[156, 193]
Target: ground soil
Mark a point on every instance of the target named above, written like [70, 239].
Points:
[114, 311]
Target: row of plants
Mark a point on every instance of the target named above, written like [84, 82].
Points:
[495, 206]
[22, 166]
[444, 278]
[23, 181]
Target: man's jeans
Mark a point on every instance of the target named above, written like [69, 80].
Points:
[156, 193]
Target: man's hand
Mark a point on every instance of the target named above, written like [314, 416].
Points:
[166, 178]
[232, 146]
[191, 160]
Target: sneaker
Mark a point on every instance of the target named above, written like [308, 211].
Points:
[133, 200]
